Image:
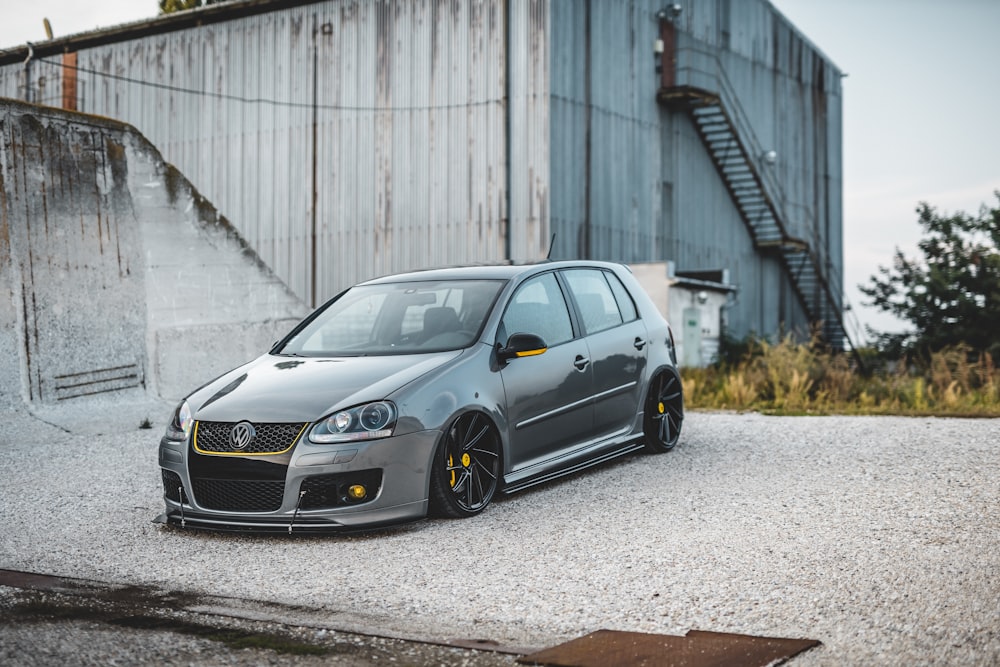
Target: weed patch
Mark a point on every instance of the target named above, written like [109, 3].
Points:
[794, 378]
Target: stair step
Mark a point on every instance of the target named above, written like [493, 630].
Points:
[708, 110]
[732, 158]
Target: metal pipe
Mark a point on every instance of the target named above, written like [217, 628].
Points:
[27, 73]
[588, 142]
[313, 300]
[508, 144]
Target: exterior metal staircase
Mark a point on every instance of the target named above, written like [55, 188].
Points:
[743, 165]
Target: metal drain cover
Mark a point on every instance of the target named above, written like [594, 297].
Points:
[612, 648]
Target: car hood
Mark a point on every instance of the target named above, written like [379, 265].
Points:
[290, 389]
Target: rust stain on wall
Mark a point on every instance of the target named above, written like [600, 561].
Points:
[69, 81]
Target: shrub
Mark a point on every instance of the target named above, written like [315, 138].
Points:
[796, 377]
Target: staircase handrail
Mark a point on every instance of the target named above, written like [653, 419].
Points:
[716, 74]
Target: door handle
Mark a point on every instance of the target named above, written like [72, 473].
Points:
[639, 343]
[581, 362]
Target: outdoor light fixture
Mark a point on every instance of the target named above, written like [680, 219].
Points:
[770, 157]
[670, 12]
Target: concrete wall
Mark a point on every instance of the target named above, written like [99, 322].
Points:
[115, 274]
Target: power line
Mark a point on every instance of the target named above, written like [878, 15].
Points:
[262, 100]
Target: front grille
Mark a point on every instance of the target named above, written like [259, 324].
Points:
[234, 495]
[171, 485]
[324, 491]
[213, 437]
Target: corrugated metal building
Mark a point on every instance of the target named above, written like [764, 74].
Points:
[351, 138]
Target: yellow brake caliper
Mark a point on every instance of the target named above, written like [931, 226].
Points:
[661, 408]
[466, 462]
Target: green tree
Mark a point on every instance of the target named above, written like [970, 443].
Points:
[952, 294]
[171, 6]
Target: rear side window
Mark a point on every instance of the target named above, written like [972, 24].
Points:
[593, 295]
[625, 303]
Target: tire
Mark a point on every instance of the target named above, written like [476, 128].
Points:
[465, 472]
[664, 412]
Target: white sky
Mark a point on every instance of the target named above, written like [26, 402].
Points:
[921, 106]
[921, 117]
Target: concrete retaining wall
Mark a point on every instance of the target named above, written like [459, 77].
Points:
[115, 274]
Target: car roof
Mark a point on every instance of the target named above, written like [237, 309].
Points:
[487, 271]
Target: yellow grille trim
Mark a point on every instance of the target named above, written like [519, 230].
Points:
[214, 453]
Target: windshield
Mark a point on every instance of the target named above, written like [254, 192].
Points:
[398, 318]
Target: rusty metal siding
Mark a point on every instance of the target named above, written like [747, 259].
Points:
[416, 135]
[370, 136]
[606, 148]
[530, 42]
[371, 133]
[709, 234]
[631, 180]
[790, 95]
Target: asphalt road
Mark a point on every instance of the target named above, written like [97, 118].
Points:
[877, 536]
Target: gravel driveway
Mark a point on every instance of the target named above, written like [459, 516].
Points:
[880, 537]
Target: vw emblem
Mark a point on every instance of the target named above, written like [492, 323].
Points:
[242, 435]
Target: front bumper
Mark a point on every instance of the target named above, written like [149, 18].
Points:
[401, 464]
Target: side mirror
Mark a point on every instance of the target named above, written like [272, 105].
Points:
[521, 345]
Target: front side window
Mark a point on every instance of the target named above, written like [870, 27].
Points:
[398, 318]
[538, 307]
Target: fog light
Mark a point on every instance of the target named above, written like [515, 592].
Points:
[356, 492]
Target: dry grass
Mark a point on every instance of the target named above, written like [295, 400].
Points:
[802, 378]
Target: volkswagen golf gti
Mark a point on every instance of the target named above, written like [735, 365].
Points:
[427, 393]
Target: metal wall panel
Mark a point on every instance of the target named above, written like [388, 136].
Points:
[790, 94]
[631, 180]
[371, 136]
[530, 39]
[606, 130]
[372, 132]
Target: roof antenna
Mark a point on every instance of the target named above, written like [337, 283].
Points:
[551, 243]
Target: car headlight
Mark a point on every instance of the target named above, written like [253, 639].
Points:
[364, 422]
[180, 424]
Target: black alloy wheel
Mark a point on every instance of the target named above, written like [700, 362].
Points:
[466, 471]
[664, 411]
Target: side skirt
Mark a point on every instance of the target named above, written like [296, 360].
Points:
[521, 484]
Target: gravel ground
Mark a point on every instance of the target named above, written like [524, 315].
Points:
[877, 536]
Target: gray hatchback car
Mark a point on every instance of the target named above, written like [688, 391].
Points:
[427, 392]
